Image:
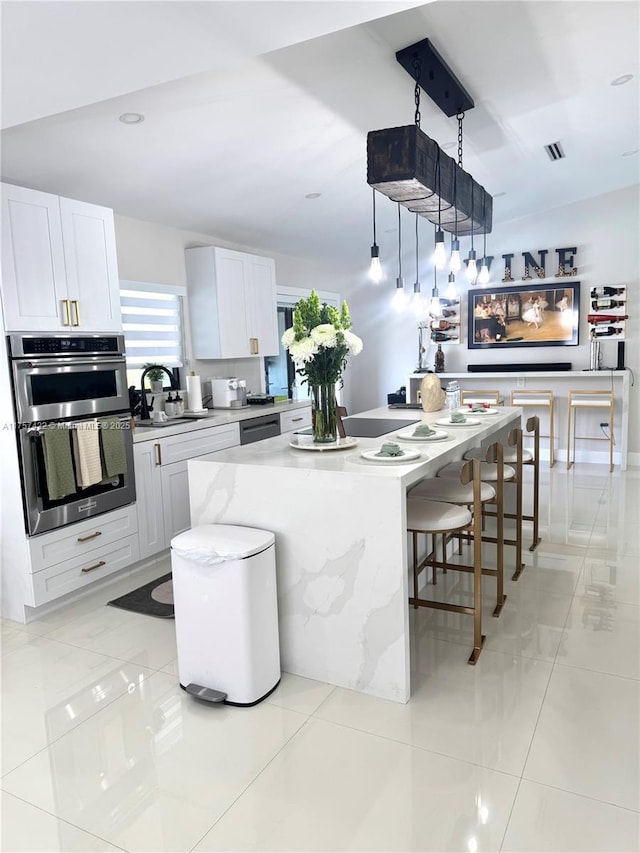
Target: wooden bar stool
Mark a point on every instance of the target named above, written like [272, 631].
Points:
[492, 397]
[434, 517]
[588, 400]
[542, 399]
[451, 490]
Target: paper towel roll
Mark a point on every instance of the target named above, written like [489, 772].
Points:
[194, 392]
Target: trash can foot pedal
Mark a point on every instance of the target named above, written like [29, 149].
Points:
[208, 694]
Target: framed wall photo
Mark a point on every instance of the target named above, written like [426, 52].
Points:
[524, 316]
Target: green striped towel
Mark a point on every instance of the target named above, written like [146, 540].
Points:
[58, 466]
[114, 460]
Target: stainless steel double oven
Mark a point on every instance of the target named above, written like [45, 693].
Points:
[63, 380]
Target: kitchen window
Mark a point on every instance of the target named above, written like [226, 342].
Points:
[152, 323]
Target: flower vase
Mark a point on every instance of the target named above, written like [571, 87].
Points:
[323, 412]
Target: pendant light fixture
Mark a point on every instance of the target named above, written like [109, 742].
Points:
[452, 290]
[401, 161]
[416, 304]
[455, 264]
[483, 275]
[400, 299]
[472, 267]
[435, 309]
[439, 254]
[375, 270]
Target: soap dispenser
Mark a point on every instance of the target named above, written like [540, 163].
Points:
[179, 404]
[170, 406]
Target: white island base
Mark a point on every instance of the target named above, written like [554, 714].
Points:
[341, 545]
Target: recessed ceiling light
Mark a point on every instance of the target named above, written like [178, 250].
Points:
[630, 153]
[448, 145]
[620, 81]
[499, 195]
[313, 195]
[131, 118]
[390, 230]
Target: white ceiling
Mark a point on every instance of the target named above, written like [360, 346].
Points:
[250, 106]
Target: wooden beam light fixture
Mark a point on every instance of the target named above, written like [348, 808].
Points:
[409, 167]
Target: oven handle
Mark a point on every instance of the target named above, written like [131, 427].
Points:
[30, 364]
[38, 432]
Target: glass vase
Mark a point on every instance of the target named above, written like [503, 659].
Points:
[323, 412]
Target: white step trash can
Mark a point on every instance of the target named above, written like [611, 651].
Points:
[226, 613]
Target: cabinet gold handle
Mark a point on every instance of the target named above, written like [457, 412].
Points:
[158, 451]
[90, 536]
[67, 312]
[94, 567]
[76, 308]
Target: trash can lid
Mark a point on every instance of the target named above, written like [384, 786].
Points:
[215, 543]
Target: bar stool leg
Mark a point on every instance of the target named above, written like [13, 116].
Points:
[478, 639]
[552, 455]
[500, 596]
[519, 563]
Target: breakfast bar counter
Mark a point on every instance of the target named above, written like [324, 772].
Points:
[341, 543]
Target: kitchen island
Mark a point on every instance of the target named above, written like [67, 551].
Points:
[341, 543]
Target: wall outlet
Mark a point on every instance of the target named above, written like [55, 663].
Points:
[520, 382]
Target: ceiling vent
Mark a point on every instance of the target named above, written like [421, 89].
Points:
[554, 151]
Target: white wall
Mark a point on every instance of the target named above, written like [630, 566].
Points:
[155, 253]
[604, 230]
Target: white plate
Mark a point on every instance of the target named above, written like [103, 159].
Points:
[438, 435]
[467, 423]
[466, 410]
[305, 442]
[407, 456]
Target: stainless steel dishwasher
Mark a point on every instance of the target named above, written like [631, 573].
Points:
[255, 429]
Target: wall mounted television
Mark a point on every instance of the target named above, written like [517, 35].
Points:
[524, 315]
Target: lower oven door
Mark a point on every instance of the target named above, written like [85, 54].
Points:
[42, 513]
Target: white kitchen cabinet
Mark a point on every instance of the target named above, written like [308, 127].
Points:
[232, 300]
[295, 419]
[59, 266]
[162, 487]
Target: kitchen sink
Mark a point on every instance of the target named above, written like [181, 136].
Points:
[160, 424]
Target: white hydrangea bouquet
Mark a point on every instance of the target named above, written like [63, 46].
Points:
[319, 343]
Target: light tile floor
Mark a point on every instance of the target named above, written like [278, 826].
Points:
[537, 748]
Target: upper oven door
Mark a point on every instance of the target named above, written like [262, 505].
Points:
[50, 389]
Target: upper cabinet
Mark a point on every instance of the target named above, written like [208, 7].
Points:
[232, 300]
[59, 265]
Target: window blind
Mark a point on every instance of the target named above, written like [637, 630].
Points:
[152, 325]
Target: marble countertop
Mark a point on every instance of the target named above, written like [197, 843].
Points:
[277, 452]
[215, 417]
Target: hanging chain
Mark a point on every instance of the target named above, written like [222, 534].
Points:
[460, 117]
[416, 95]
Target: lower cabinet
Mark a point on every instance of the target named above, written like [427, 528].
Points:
[73, 557]
[162, 486]
[295, 419]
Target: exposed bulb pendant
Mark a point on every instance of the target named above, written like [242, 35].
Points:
[483, 277]
[416, 304]
[439, 255]
[452, 290]
[399, 300]
[434, 305]
[455, 265]
[472, 267]
[375, 269]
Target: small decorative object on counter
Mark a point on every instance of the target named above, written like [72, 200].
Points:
[179, 404]
[170, 406]
[156, 377]
[432, 396]
[453, 396]
[439, 360]
[319, 342]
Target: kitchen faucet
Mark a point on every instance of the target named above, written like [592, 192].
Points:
[144, 406]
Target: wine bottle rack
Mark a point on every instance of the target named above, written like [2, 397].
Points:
[607, 312]
[444, 328]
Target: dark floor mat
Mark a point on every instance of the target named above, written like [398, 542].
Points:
[142, 600]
